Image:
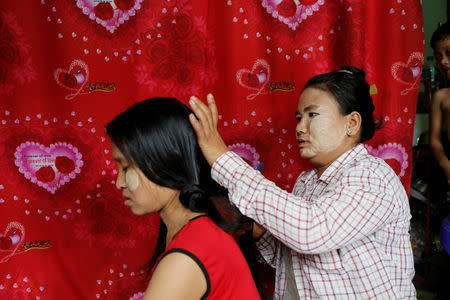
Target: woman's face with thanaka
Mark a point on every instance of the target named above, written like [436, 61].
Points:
[321, 128]
[142, 195]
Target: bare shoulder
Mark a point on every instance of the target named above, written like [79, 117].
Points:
[178, 275]
[442, 96]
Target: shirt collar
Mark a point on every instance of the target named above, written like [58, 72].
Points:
[342, 160]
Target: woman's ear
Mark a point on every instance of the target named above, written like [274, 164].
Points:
[354, 124]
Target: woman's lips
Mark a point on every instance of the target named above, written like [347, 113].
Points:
[127, 200]
[301, 143]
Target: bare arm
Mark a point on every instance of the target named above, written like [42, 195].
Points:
[436, 119]
[177, 276]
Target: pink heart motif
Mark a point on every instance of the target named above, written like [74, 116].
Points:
[48, 167]
[11, 240]
[391, 151]
[110, 13]
[137, 296]
[409, 72]
[256, 78]
[248, 153]
[292, 12]
[74, 78]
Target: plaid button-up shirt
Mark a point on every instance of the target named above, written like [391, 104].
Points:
[347, 231]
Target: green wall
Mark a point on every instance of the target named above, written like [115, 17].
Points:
[434, 11]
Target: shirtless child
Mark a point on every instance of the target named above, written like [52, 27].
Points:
[440, 105]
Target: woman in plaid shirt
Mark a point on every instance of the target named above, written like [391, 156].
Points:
[343, 231]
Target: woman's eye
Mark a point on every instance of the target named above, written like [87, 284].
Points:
[298, 118]
[312, 114]
[125, 168]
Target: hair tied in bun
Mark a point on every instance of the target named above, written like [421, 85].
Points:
[194, 197]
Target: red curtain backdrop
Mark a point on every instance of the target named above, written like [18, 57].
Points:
[68, 66]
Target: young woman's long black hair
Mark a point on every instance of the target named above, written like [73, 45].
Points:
[157, 137]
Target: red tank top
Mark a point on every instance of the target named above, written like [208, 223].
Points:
[218, 256]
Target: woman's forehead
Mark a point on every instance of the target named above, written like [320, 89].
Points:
[312, 98]
[117, 154]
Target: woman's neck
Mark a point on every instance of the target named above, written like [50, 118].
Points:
[175, 216]
[331, 157]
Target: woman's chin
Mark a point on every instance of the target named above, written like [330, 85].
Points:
[138, 212]
[306, 154]
[135, 211]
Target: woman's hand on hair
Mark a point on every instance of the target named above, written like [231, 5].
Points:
[205, 126]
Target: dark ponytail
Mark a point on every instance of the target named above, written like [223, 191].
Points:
[216, 205]
[194, 197]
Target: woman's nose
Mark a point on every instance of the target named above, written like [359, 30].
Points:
[120, 181]
[300, 128]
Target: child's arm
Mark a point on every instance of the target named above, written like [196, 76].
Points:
[436, 120]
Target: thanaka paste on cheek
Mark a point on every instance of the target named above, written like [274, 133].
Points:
[325, 136]
[132, 179]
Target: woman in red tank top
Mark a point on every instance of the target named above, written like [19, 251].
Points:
[161, 169]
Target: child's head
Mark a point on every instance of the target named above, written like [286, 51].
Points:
[440, 42]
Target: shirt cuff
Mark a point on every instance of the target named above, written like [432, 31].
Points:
[267, 246]
[264, 240]
[224, 167]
